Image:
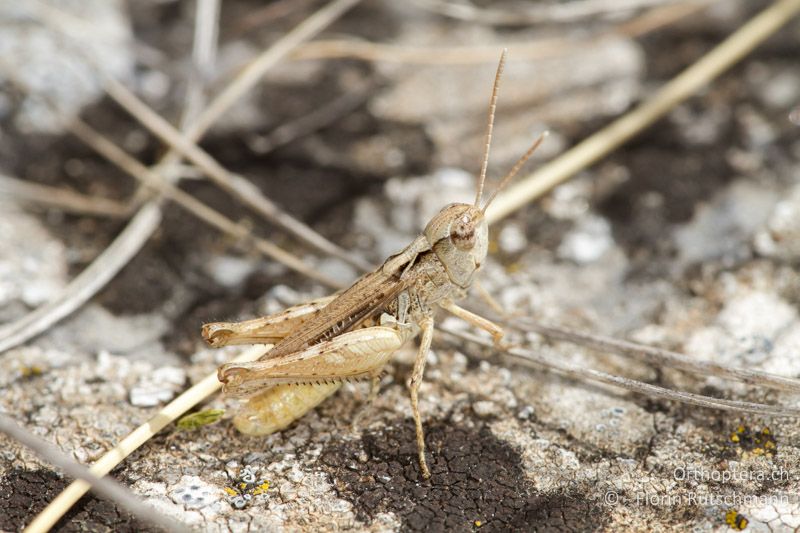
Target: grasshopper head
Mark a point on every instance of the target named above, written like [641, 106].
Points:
[459, 236]
[459, 233]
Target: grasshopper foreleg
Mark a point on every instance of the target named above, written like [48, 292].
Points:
[478, 321]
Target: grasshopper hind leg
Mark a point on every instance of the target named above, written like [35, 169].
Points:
[282, 389]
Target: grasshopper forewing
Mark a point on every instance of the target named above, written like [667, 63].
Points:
[353, 334]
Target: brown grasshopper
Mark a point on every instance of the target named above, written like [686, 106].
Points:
[352, 335]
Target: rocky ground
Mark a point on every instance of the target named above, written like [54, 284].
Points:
[686, 238]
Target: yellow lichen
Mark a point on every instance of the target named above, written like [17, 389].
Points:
[735, 520]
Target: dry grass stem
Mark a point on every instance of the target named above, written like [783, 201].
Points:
[254, 71]
[204, 54]
[239, 232]
[170, 412]
[531, 358]
[62, 199]
[688, 82]
[105, 487]
[238, 186]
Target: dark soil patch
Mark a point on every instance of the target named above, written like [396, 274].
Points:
[477, 482]
[25, 493]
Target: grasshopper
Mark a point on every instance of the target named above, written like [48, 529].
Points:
[352, 335]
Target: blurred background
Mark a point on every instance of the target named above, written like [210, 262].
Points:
[361, 119]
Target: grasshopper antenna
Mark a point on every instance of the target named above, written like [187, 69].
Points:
[490, 126]
[516, 167]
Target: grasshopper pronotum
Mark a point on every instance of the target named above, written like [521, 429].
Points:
[353, 334]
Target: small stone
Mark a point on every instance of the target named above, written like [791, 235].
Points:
[781, 90]
[158, 387]
[486, 409]
[512, 239]
[230, 271]
[794, 116]
[194, 493]
[588, 241]
[526, 412]
[780, 238]
[288, 491]
[144, 397]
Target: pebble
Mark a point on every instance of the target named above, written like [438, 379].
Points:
[33, 265]
[194, 493]
[526, 412]
[486, 409]
[230, 271]
[781, 90]
[588, 241]
[780, 236]
[158, 387]
[512, 239]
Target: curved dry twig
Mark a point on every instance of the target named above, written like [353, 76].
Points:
[528, 357]
[88, 282]
[170, 412]
[103, 486]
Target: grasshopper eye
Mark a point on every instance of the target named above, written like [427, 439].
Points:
[462, 233]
